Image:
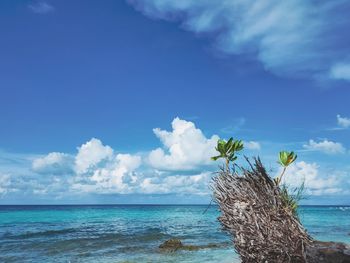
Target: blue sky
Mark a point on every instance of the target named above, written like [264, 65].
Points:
[122, 101]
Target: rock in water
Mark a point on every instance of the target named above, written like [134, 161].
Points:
[171, 245]
[328, 252]
[317, 252]
[175, 244]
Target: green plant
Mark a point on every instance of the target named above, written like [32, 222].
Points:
[292, 200]
[285, 159]
[227, 150]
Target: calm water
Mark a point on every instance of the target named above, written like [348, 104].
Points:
[133, 233]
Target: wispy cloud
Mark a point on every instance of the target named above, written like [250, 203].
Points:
[252, 145]
[340, 71]
[41, 7]
[292, 37]
[234, 126]
[325, 146]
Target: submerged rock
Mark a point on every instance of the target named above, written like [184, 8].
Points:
[175, 244]
[319, 252]
[328, 252]
[171, 245]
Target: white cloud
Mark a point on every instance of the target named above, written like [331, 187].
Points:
[179, 169]
[189, 184]
[325, 146]
[302, 42]
[300, 172]
[4, 183]
[41, 7]
[90, 154]
[252, 145]
[343, 121]
[54, 163]
[96, 168]
[235, 126]
[186, 147]
[340, 71]
[117, 176]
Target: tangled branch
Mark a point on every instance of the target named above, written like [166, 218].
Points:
[263, 227]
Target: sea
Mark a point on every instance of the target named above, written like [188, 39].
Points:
[133, 233]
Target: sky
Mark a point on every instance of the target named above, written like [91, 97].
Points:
[124, 101]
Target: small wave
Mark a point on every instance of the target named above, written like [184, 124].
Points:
[144, 236]
[40, 233]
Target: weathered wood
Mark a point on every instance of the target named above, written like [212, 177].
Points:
[252, 211]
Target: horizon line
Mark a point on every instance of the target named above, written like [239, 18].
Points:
[320, 205]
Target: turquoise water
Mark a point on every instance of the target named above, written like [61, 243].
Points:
[133, 233]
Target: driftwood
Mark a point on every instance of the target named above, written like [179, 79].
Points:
[263, 228]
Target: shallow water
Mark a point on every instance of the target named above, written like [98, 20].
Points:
[133, 233]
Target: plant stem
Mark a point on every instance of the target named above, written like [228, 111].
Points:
[281, 176]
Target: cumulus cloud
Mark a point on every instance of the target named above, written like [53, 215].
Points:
[291, 37]
[180, 168]
[252, 145]
[90, 154]
[325, 146]
[343, 121]
[54, 163]
[97, 169]
[94, 169]
[308, 173]
[117, 176]
[41, 7]
[184, 148]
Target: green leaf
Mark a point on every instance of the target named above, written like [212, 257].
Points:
[221, 146]
[238, 145]
[229, 144]
[286, 158]
[215, 158]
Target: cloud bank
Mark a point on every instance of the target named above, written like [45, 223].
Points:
[180, 166]
[291, 38]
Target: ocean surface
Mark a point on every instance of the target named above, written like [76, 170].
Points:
[122, 233]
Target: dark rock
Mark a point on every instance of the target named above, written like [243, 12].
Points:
[328, 252]
[174, 244]
[171, 245]
[319, 252]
